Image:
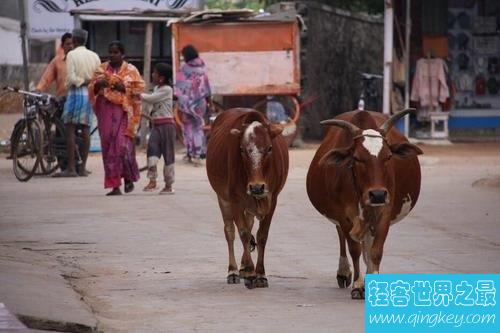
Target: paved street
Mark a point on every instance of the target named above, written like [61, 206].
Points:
[150, 263]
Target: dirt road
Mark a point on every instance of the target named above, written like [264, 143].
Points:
[150, 263]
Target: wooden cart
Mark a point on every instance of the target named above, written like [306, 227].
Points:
[248, 58]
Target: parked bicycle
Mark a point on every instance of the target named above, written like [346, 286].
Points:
[38, 140]
[27, 136]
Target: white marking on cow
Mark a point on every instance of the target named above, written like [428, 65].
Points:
[405, 209]
[360, 211]
[360, 282]
[235, 272]
[372, 141]
[250, 130]
[255, 154]
[344, 268]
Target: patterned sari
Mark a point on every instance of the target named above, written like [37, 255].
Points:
[192, 89]
[118, 115]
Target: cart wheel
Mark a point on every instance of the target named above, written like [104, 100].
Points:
[292, 106]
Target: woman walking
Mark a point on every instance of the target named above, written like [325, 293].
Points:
[115, 90]
[193, 93]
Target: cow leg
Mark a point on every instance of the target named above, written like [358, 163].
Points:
[367, 251]
[247, 270]
[249, 218]
[262, 234]
[358, 287]
[344, 274]
[378, 245]
[227, 215]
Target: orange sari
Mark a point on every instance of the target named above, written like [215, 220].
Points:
[129, 76]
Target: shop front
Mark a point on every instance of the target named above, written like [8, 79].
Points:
[453, 67]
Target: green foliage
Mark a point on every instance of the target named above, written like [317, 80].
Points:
[232, 4]
[369, 6]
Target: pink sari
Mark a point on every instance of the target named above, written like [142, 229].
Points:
[118, 153]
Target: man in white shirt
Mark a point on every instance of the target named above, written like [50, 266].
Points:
[81, 64]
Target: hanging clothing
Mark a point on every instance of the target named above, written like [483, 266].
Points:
[192, 89]
[429, 83]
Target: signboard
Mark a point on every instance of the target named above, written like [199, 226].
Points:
[49, 19]
[244, 66]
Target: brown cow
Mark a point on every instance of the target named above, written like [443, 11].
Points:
[247, 166]
[364, 177]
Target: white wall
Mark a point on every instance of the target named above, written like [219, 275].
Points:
[10, 42]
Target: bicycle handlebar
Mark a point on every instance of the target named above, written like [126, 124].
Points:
[45, 98]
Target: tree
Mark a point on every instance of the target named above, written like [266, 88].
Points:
[369, 6]
[234, 4]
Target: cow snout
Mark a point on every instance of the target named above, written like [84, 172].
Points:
[378, 197]
[257, 189]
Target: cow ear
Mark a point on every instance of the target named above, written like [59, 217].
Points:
[405, 150]
[275, 130]
[336, 157]
[235, 132]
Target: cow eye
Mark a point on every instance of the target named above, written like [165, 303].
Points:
[241, 150]
[357, 160]
[269, 149]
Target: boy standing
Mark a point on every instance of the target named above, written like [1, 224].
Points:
[162, 138]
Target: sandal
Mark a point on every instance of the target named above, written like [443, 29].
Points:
[150, 187]
[115, 191]
[65, 174]
[84, 173]
[167, 191]
[129, 187]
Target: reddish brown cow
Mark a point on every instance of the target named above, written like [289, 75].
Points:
[364, 177]
[247, 166]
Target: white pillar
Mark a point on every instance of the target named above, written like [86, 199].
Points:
[148, 46]
[388, 45]
[407, 65]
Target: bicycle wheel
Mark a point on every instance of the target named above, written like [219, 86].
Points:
[26, 150]
[52, 133]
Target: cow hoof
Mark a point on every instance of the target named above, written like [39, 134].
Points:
[261, 282]
[358, 293]
[344, 281]
[233, 279]
[250, 282]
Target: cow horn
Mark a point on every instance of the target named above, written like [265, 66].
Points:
[393, 119]
[343, 124]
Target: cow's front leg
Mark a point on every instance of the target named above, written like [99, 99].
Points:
[227, 215]
[247, 269]
[358, 287]
[344, 274]
[262, 234]
[378, 245]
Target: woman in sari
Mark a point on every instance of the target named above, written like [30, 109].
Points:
[193, 93]
[114, 92]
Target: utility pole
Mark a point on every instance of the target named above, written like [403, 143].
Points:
[22, 13]
[388, 49]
